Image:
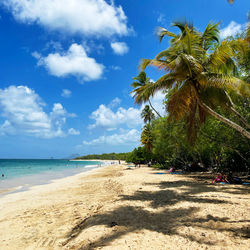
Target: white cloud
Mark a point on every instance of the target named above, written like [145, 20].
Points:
[115, 102]
[73, 62]
[36, 55]
[72, 131]
[114, 67]
[130, 118]
[231, 30]
[107, 119]
[66, 93]
[119, 48]
[86, 17]
[125, 137]
[161, 19]
[23, 110]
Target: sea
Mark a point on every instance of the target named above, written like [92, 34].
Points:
[20, 174]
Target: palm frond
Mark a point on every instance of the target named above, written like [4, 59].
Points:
[210, 35]
[141, 77]
[161, 32]
[224, 82]
[182, 24]
[215, 97]
[160, 64]
[219, 57]
[163, 83]
[144, 64]
[147, 138]
[179, 102]
[193, 66]
[147, 114]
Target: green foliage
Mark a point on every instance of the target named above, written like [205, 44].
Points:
[146, 137]
[110, 156]
[139, 155]
[217, 145]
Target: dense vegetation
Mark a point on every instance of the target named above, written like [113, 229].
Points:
[206, 82]
[110, 156]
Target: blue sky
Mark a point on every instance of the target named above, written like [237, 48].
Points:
[66, 68]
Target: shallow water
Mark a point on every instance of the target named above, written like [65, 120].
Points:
[21, 174]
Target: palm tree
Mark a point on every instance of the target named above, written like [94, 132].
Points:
[147, 114]
[140, 90]
[146, 138]
[200, 74]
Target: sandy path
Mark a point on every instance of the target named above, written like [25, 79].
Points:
[115, 208]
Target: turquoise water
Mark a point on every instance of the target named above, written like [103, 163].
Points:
[19, 168]
[24, 173]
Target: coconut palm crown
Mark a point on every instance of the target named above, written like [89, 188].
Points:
[140, 91]
[200, 73]
[147, 114]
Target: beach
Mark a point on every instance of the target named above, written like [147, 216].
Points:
[120, 207]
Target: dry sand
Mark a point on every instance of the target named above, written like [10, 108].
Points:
[117, 208]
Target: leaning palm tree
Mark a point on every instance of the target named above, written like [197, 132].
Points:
[140, 90]
[200, 75]
[147, 114]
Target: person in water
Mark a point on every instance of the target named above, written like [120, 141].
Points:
[2, 175]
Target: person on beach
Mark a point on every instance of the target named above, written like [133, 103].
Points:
[171, 170]
[232, 180]
[219, 178]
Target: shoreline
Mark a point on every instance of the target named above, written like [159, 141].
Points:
[40, 188]
[104, 161]
[25, 183]
[116, 207]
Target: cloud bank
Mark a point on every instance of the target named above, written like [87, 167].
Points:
[106, 118]
[85, 17]
[23, 111]
[125, 137]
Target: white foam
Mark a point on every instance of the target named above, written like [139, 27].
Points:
[91, 166]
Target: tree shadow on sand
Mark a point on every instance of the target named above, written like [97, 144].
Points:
[168, 221]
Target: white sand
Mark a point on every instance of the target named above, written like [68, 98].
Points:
[116, 208]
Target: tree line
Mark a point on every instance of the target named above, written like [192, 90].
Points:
[109, 156]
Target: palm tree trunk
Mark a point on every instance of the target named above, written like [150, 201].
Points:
[153, 108]
[223, 119]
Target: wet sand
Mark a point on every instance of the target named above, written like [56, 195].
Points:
[117, 207]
